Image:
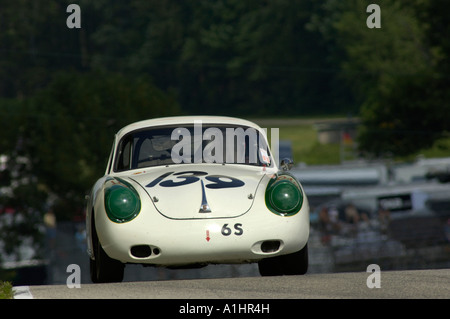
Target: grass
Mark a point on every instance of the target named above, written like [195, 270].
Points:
[439, 149]
[307, 149]
[305, 145]
[6, 291]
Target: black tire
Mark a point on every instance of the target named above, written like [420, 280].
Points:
[104, 269]
[291, 264]
[270, 266]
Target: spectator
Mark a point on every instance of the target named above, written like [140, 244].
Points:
[328, 223]
[384, 219]
[50, 225]
[351, 219]
[351, 214]
[325, 226]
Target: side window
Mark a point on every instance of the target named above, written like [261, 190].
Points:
[124, 160]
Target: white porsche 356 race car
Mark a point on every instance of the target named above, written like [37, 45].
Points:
[184, 192]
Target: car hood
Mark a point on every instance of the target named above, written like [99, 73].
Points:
[201, 191]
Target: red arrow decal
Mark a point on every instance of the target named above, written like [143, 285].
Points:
[207, 235]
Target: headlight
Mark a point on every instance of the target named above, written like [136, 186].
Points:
[122, 203]
[284, 197]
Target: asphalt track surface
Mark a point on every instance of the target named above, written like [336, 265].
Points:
[408, 284]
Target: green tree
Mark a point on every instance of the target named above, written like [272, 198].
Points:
[257, 58]
[390, 71]
[231, 57]
[35, 42]
[68, 127]
[402, 112]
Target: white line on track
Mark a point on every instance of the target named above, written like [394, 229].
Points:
[22, 292]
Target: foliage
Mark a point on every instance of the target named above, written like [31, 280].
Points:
[34, 44]
[395, 72]
[6, 291]
[250, 58]
[70, 124]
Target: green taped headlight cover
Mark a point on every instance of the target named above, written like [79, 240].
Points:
[283, 196]
[122, 203]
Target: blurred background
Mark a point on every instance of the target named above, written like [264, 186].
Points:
[364, 113]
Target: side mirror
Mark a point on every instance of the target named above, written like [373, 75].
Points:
[286, 164]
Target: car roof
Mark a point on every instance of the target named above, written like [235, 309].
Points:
[174, 120]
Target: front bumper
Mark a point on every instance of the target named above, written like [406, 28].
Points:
[153, 239]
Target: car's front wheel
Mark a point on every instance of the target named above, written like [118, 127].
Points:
[291, 264]
[103, 268]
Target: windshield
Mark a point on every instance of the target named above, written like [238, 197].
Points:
[185, 144]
